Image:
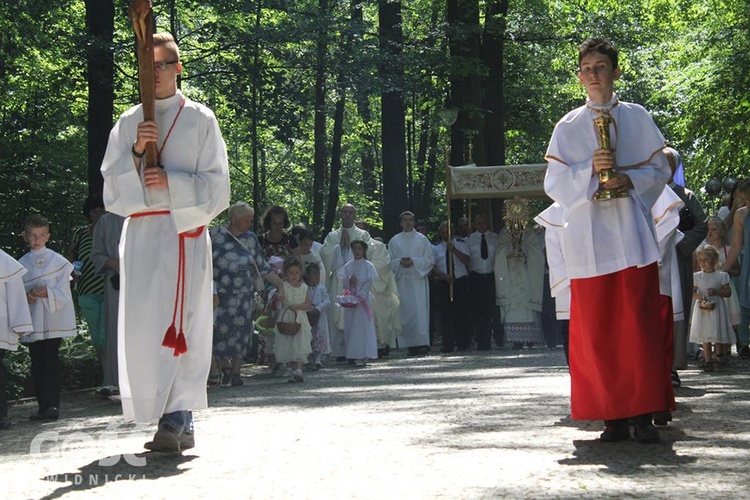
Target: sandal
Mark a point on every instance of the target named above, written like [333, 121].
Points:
[214, 381]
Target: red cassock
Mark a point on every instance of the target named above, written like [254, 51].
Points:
[621, 345]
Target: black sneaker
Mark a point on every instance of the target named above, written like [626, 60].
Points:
[662, 418]
[615, 431]
[744, 352]
[50, 413]
[676, 382]
[646, 433]
[237, 380]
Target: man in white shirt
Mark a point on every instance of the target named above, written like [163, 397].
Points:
[482, 244]
[454, 307]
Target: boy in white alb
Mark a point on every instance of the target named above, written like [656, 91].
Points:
[165, 314]
[47, 285]
[611, 252]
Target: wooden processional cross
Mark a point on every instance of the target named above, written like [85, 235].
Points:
[142, 16]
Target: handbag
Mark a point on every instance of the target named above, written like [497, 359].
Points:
[259, 283]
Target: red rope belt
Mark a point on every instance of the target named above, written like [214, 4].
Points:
[172, 339]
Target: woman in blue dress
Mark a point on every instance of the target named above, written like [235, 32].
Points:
[237, 258]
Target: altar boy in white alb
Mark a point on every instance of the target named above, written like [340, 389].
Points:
[47, 285]
[165, 314]
[411, 262]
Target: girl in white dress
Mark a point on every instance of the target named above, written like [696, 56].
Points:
[710, 317]
[357, 276]
[294, 349]
[317, 315]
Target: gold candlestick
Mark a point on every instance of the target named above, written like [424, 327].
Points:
[602, 129]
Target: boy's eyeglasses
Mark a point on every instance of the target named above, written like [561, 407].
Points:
[161, 66]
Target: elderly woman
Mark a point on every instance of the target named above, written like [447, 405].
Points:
[237, 258]
[274, 240]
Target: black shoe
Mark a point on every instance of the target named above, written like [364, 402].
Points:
[50, 413]
[341, 359]
[615, 430]
[662, 418]
[226, 377]
[166, 439]
[446, 351]
[646, 433]
[236, 380]
[745, 352]
[676, 382]
[5, 424]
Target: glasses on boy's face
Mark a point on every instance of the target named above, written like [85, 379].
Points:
[591, 70]
[163, 65]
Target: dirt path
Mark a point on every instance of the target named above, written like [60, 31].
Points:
[483, 425]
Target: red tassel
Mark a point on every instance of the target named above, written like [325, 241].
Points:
[170, 338]
[181, 345]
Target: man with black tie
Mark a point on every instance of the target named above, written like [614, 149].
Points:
[482, 244]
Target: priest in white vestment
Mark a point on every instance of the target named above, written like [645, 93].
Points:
[165, 311]
[519, 280]
[411, 261]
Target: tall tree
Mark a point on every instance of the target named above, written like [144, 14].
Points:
[100, 26]
[393, 119]
[320, 137]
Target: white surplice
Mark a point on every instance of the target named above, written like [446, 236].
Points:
[553, 220]
[52, 316]
[152, 380]
[413, 288]
[607, 236]
[15, 317]
[666, 214]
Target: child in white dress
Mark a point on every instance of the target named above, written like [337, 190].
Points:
[359, 323]
[717, 238]
[317, 315]
[294, 349]
[710, 316]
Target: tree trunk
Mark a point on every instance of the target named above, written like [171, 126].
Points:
[494, 96]
[393, 121]
[338, 120]
[467, 134]
[100, 19]
[258, 185]
[368, 153]
[319, 127]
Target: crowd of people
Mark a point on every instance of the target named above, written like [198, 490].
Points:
[626, 252]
